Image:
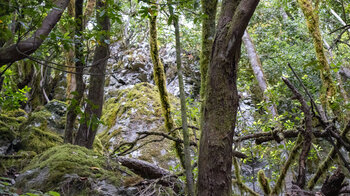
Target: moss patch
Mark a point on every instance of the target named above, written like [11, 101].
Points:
[71, 160]
[133, 110]
[38, 140]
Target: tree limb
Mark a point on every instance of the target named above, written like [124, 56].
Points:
[13, 53]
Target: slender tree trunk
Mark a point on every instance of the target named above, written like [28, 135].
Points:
[79, 68]
[87, 130]
[89, 10]
[159, 78]
[258, 70]
[221, 99]
[339, 79]
[312, 21]
[71, 81]
[26, 47]
[187, 153]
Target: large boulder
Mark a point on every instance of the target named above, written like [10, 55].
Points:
[134, 110]
[74, 170]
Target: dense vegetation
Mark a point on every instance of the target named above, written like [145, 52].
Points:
[178, 97]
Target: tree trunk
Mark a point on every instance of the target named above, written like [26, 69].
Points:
[26, 47]
[71, 81]
[159, 78]
[258, 70]
[209, 8]
[221, 99]
[312, 21]
[87, 130]
[79, 68]
[89, 10]
[187, 153]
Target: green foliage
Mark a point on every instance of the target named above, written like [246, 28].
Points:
[11, 97]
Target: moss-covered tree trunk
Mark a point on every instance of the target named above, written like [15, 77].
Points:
[79, 68]
[209, 8]
[186, 138]
[159, 78]
[93, 110]
[221, 99]
[312, 21]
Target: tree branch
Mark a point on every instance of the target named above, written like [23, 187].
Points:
[12, 53]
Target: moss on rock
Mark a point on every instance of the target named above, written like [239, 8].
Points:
[133, 110]
[38, 140]
[56, 165]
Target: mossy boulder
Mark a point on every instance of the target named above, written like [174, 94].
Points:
[133, 110]
[25, 135]
[73, 170]
[50, 117]
[9, 124]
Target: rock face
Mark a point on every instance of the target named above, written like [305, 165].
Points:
[131, 111]
[74, 170]
[131, 66]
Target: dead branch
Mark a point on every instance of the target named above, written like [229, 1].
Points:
[307, 133]
[144, 134]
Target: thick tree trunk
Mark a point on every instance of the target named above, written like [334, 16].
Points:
[87, 130]
[24, 48]
[258, 70]
[221, 99]
[78, 77]
[159, 78]
[187, 153]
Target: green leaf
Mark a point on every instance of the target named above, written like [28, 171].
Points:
[53, 193]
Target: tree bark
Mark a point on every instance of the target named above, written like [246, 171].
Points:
[209, 8]
[221, 99]
[87, 130]
[159, 78]
[186, 138]
[71, 81]
[24, 48]
[79, 68]
[258, 70]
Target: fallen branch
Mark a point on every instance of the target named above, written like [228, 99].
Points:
[152, 172]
